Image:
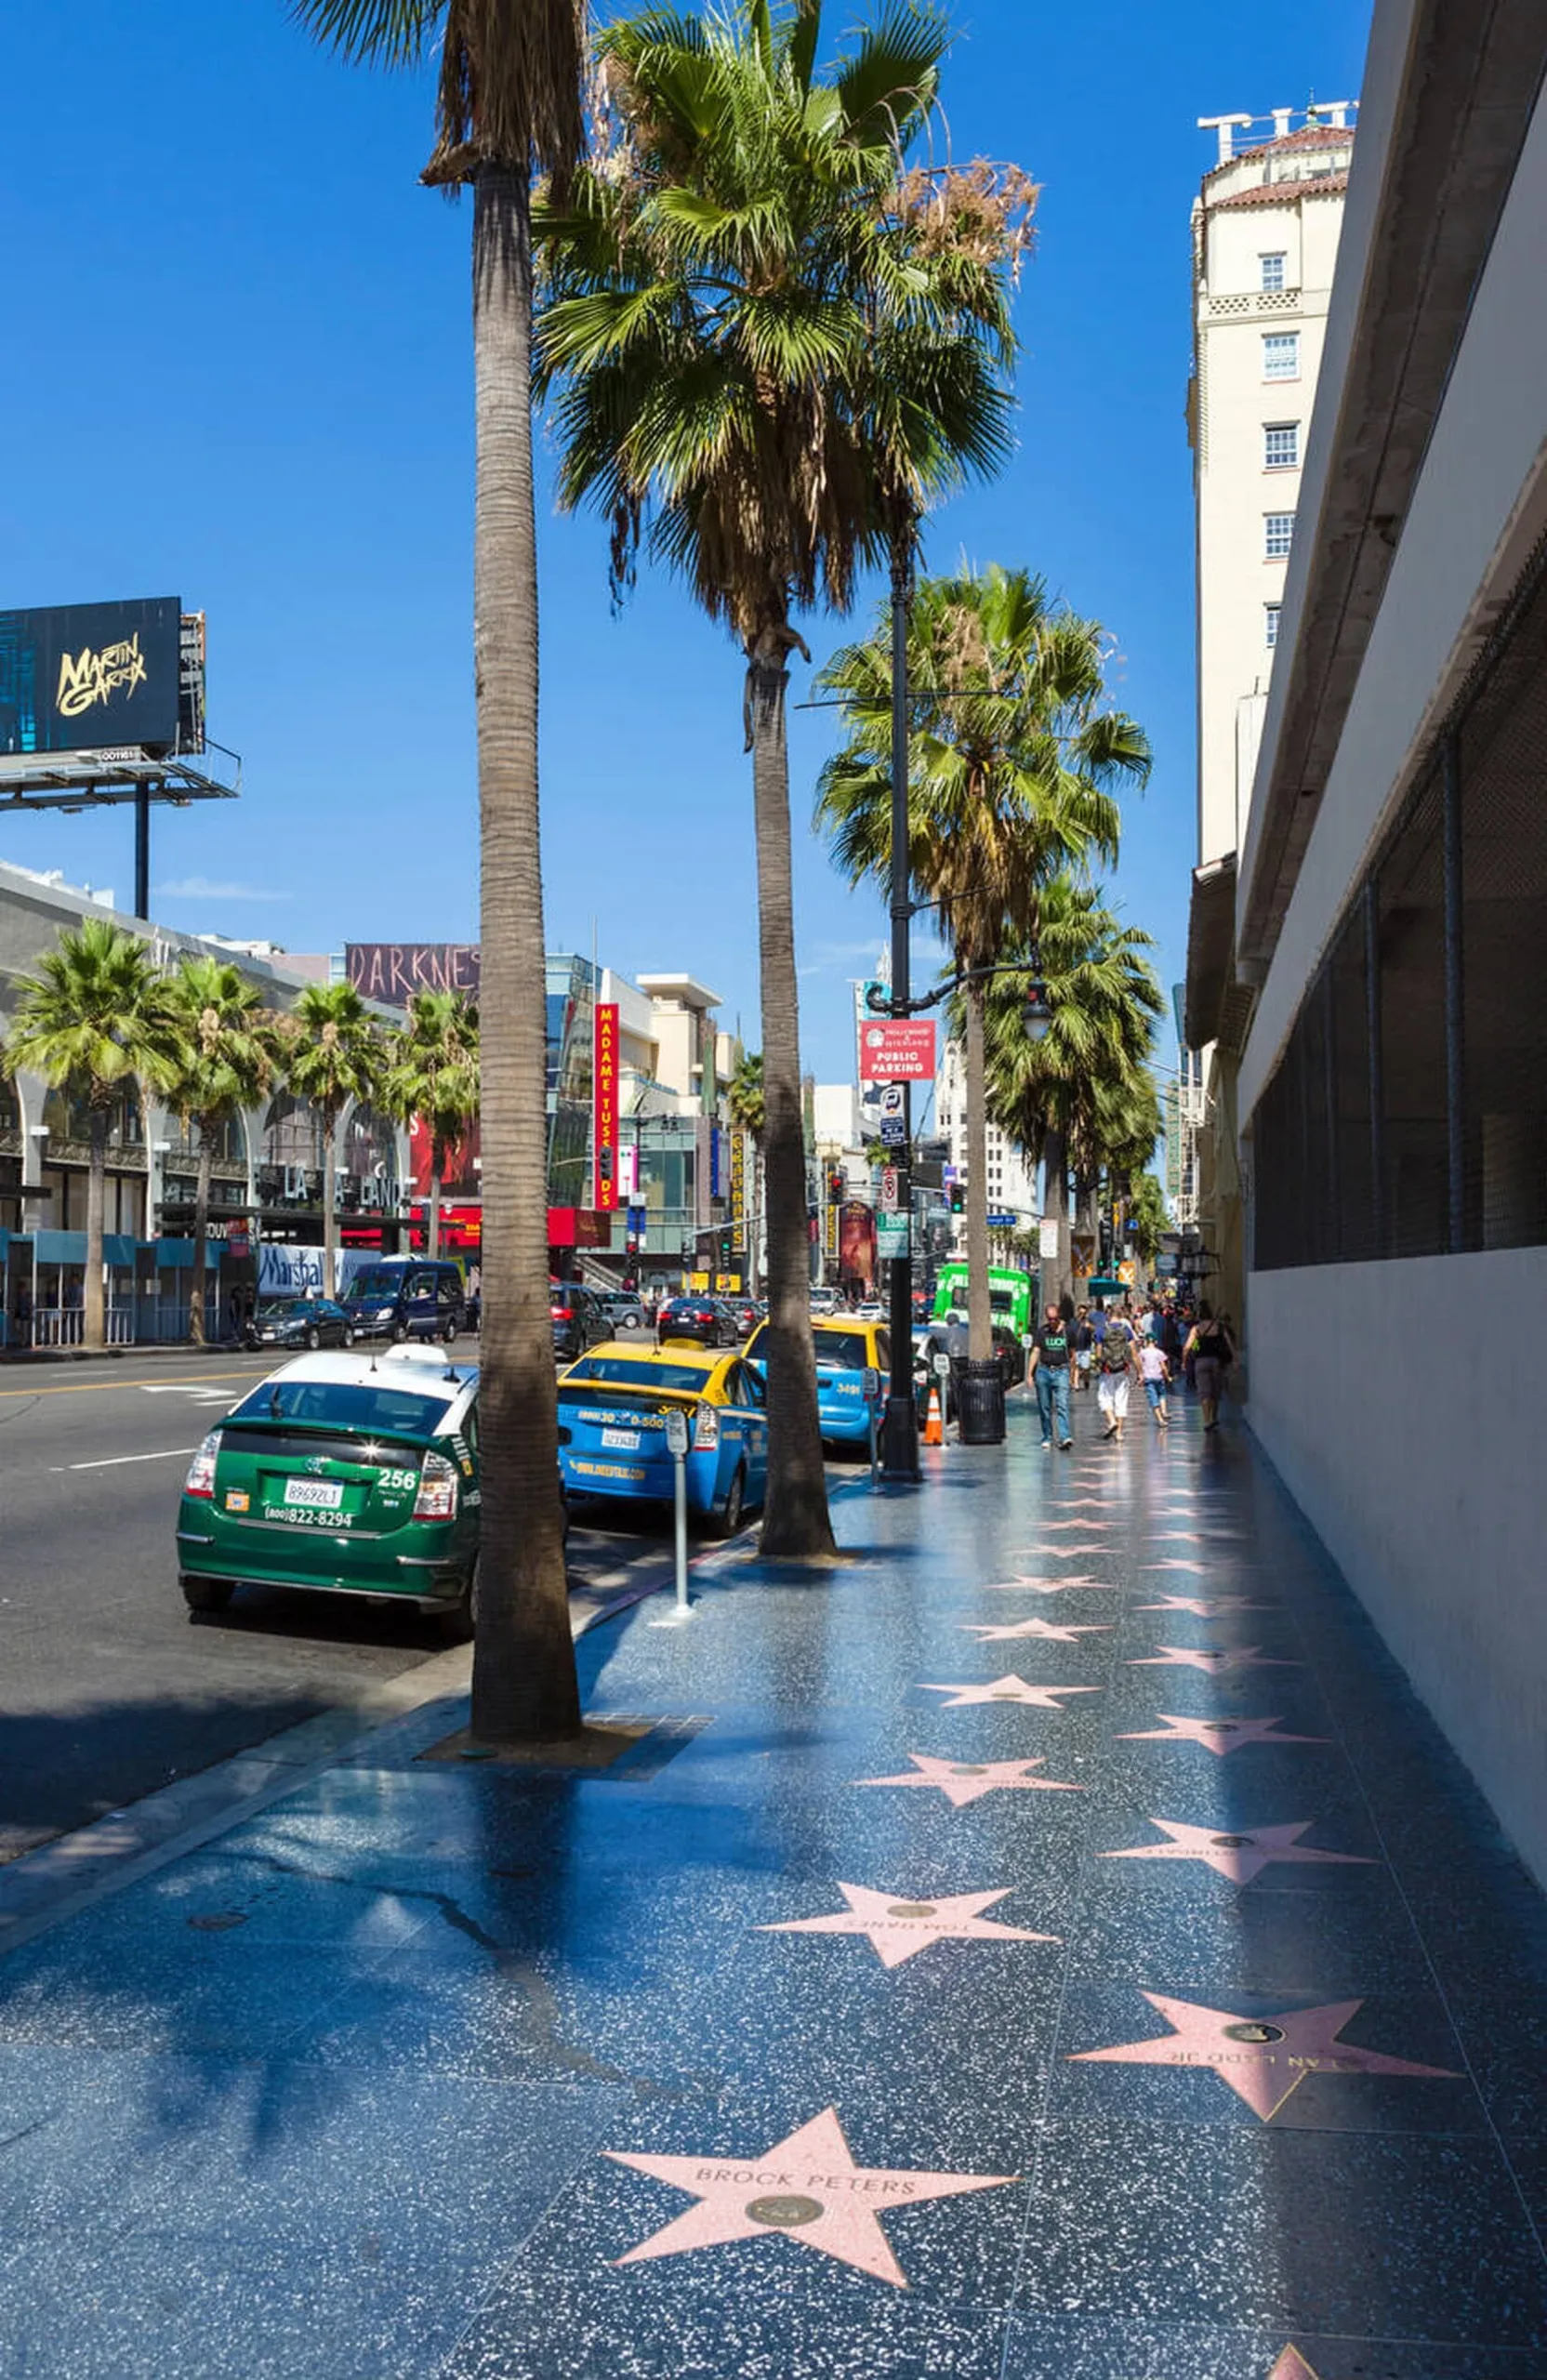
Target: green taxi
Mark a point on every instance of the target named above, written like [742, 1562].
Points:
[352, 1475]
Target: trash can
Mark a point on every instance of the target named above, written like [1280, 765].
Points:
[980, 1401]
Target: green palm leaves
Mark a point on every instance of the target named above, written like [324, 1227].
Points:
[431, 1073]
[228, 1048]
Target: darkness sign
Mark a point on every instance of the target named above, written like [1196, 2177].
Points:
[90, 677]
[393, 972]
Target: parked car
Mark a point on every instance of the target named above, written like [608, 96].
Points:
[613, 1406]
[407, 1297]
[298, 1322]
[579, 1320]
[347, 1474]
[744, 1313]
[845, 1351]
[697, 1319]
[826, 1302]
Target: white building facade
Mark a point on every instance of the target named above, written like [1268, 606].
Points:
[1387, 934]
[1013, 1179]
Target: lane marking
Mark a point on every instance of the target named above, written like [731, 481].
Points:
[102, 1387]
[110, 1462]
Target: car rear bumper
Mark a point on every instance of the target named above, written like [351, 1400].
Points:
[648, 1479]
[258, 1557]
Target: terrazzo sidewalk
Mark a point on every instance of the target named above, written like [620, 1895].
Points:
[1057, 1946]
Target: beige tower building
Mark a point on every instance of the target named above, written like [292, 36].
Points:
[1265, 229]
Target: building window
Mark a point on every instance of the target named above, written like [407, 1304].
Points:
[1277, 530]
[1281, 355]
[1281, 446]
[1273, 271]
[1270, 622]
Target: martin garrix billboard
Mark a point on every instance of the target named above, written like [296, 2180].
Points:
[90, 677]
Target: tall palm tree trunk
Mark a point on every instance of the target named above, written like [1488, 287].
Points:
[432, 1218]
[524, 1682]
[201, 1236]
[1055, 1201]
[330, 1196]
[980, 1312]
[93, 1326]
[795, 1515]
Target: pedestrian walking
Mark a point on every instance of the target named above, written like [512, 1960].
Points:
[1116, 1362]
[1051, 1348]
[1155, 1372]
[1212, 1351]
[1084, 1349]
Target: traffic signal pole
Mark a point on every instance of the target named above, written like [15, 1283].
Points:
[901, 1427]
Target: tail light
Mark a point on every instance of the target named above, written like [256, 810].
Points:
[437, 1498]
[201, 1471]
[705, 1433]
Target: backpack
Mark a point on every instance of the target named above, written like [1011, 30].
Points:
[1115, 1347]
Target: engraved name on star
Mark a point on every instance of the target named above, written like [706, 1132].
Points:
[1264, 2059]
[1206, 1606]
[1218, 1659]
[1038, 1586]
[1043, 1629]
[1009, 1688]
[1240, 1858]
[899, 1924]
[806, 2186]
[963, 1781]
[1220, 1736]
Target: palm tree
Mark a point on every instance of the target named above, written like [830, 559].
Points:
[1082, 1094]
[95, 1022]
[510, 97]
[229, 1047]
[1012, 760]
[332, 1057]
[749, 1115]
[770, 348]
[1146, 1206]
[431, 1073]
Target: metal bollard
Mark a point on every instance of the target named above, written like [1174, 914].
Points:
[872, 1394]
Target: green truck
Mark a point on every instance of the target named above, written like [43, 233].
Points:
[1012, 1294]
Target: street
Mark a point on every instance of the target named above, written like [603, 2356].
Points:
[108, 1690]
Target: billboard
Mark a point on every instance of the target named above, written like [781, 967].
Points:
[393, 972]
[605, 1112]
[91, 676]
[894, 1051]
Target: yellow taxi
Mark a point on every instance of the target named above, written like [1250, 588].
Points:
[612, 1404]
[846, 1349]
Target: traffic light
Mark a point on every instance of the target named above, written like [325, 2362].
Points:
[959, 1196]
[725, 1248]
[604, 1164]
[837, 1186]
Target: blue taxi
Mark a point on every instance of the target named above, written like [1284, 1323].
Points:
[846, 1349]
[612, 1404]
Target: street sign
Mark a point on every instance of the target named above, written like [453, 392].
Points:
[891, 1235]
[889, 1188]
[1047, 1239]
[893, 1100]
[893, 1132]
[895, 1050]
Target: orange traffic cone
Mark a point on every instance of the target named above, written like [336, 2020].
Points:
[934, 1428]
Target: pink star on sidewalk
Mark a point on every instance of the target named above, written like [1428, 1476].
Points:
[1009, 1688]
[1205, 1607]
[1218, 1736]
[807, 2187]
[1199, 1570]
[1091, 1503]
[1038, 1628]
[1264, 2059]
[1217, 1659]
[1292, 2365]
[1068, 1553]
[1050, 1586]
[968, 1780]
[899, 1927]
[1239, 1858]
[1075, 1524]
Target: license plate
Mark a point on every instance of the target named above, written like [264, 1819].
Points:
[327, 1494]
[627, 1440]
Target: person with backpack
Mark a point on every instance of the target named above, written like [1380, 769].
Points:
[1115, 1357]
[1211, 1351]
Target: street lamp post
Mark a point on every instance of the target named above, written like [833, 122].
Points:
[901, 1426]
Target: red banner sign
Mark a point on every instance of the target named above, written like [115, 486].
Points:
[606, 1108]
[896, 1049]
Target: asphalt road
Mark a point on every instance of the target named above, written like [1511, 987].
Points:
[107, 1690]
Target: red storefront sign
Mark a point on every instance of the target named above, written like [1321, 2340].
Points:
[578, 1227]
[896, 1049]
[605, 1124]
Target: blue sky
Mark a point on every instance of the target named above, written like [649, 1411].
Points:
[239, 372]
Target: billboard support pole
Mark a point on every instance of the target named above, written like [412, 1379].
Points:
[902, 1414]
[142, 848]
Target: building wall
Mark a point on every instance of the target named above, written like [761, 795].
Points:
[1402, 1403]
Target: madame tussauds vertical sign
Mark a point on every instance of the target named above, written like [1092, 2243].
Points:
[604, 1122]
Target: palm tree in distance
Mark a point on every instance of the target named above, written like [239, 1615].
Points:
[749, 1109]
[431, 1073]
[96, 1023]
[229, 1045]
[509, 98]
[333, 1058]
[1082, 1096]
[1012, 762]
[768, 343]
